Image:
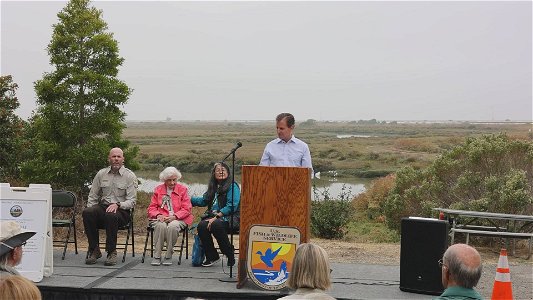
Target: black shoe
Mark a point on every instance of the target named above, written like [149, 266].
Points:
[209, 263]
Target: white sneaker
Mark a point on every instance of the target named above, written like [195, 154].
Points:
[156, 262]
[167, 262]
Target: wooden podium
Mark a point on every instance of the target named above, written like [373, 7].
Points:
[273, 196]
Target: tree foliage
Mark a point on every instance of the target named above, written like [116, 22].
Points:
[489, 173]
[11, 130]
[79, 117]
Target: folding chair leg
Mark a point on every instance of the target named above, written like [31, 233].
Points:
[126, 246]
[66, 243]
[145, 245]
[132, 241]
[152, 245]
[181, 247]
[187, 244]
[75, 238]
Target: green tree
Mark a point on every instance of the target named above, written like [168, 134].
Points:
[489, 173]
[79, 117]
[11, 130]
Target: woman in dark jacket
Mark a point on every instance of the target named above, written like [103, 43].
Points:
[222, 198]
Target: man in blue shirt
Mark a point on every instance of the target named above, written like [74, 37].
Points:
[461, 270]
[286, 150]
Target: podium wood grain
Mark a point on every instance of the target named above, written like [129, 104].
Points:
[279, 196]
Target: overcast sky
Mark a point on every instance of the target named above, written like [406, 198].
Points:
[417, 60]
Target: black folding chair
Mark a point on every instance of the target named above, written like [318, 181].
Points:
[129, 228]
[64, 215]
[120, 246]
[184, 243]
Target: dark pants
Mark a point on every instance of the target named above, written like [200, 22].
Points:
[219, 229]
[95, 217]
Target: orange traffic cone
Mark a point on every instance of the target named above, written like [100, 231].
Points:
[502, 283]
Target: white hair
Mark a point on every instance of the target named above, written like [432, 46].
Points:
[169, 172]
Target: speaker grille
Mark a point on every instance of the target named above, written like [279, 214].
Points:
[423, 242]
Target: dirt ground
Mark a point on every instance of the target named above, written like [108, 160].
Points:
[389, 254]
[351, 252]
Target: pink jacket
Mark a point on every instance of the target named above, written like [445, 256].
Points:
[181, 203]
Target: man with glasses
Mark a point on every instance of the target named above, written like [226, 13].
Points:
[12, 238]
[461, 270]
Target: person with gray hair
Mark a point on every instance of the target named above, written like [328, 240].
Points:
[461, 269]
[12, 238]
[169, 213]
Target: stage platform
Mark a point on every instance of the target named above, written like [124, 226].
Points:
[72, 279]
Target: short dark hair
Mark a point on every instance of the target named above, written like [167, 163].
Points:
[289, 118]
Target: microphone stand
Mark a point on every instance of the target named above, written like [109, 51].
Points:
[231, 278]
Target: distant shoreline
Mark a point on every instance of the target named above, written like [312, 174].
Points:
[499, 122]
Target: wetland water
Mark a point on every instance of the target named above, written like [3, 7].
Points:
[197, 184]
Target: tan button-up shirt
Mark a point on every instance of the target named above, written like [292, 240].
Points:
[108, 188]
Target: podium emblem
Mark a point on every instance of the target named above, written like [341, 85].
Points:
[270, 254]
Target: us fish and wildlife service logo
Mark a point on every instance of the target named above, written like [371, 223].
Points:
[271, 252]
[15, 211]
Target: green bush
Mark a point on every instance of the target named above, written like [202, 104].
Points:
[329, 217]
[490, 173]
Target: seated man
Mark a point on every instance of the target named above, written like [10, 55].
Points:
[112, 195]
[461, 270]
[12, 238]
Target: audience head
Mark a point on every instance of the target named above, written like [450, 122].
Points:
[16, 287]
[218, 183]
[310, 268]
[221, 171]
[461, 265]
[170, 176]
[12, 238]
[116, 159]
[285, 126]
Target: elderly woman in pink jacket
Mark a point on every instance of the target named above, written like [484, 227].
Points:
[169, 213]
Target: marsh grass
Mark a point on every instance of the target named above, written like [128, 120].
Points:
[195, 146]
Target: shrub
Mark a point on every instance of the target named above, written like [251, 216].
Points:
[329, 217]
[489, 173]
[322, 165]
[372, 200]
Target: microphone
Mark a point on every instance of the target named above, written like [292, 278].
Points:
[237, 146]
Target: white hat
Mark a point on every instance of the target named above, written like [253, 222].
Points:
[12, 236]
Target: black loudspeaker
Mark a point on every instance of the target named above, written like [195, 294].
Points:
[423, 242]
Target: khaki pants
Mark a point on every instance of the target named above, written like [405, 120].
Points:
[166, 232]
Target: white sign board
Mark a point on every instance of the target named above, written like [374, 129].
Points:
[32, 208]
